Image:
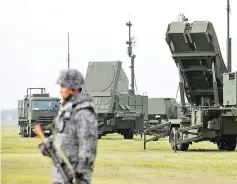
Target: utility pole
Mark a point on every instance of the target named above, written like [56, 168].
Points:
[68, 52]
[228, 38]
[131, 43]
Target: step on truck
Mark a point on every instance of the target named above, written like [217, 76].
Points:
[36, 108]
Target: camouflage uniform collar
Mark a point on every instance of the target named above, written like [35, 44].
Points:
[83, 101]
[82, 97]
[66, 105]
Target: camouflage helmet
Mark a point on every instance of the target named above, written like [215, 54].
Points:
[71, 78]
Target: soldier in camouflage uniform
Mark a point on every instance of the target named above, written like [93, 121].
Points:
[75, 128]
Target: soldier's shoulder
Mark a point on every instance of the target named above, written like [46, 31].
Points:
[85, 114]
[84, 111]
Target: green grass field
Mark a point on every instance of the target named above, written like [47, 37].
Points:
[122, 161]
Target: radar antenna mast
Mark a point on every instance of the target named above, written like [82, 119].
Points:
[228, 38]
[131, 42]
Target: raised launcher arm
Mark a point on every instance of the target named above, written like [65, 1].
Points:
[196, 52]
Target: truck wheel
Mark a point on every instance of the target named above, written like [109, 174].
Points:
[128, 135]
[30, 132]
[22, 131]
[180, 147]
[221, 145]
[230, 144]
[183, 146]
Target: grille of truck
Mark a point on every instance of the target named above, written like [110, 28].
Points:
[50, 118]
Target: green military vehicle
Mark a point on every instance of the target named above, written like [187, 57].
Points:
[119, 110]
[209, 87]
[161, 108]
[163, 114]
[36, 108]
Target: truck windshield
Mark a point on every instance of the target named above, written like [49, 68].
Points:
[45, 105]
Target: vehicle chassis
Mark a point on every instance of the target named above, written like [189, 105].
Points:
[207, 124]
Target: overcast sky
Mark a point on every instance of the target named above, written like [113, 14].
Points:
[33, 40]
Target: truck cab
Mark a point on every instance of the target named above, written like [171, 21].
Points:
[36, 108]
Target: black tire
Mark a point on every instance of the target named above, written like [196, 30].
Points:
[180, 147]
[30, 131]
[128, 135]
[230, 144]
[221, 145]
[183, 147]
[22, 131]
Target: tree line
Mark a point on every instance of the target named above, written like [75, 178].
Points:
[9, 113]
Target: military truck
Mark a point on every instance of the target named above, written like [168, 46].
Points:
[209, 88]
[162, 114]
[118, 110]
[36, 108]
[161, 108]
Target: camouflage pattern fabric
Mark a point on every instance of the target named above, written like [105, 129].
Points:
[76, 135]
[71, 78]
